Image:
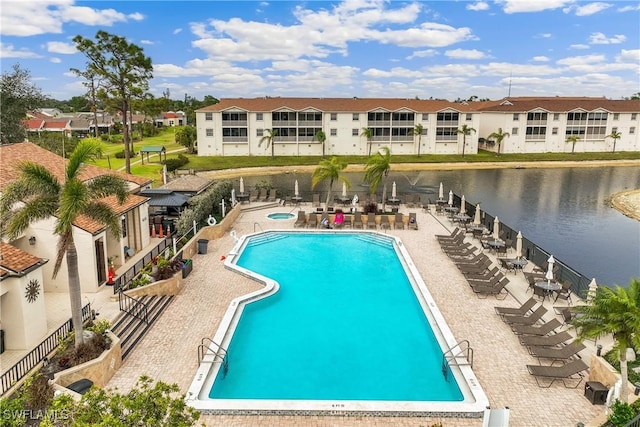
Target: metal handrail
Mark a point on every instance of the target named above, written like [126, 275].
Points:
[259, 226]
[634, 422]
[449, 356]
[123, 281]
[219, 356]
[134, 307]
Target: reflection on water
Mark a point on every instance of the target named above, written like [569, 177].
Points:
[562, 210]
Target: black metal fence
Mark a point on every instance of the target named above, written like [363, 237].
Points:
[123, 281]
[35, 356]
[533, 252]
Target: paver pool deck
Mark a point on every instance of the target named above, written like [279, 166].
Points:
[169, 351]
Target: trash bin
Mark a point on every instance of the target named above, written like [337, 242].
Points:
[596, 392]
[187, 267]
[202, 246]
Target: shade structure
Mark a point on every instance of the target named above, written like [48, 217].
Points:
[463, 205]
[476, 218]
[233, 197]
[241, 186]
[549, 275]
[441, 192]
[519, 245]
[450, 197]
[593, 288]
[344, 189]
[393, 190]
[496, 228]
[296, 190]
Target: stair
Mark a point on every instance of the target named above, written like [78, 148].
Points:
[130, 329]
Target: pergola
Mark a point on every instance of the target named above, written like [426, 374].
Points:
[152, 149]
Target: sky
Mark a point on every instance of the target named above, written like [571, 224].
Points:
[364, 48]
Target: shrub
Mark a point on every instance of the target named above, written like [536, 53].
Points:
[621, 414]
[121, 155]
[176, 163]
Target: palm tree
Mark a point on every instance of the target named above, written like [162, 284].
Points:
[465, 130]
[37, 195]
[573, 139]
[417, 131]
[329, 170]
[499, 136]
[617, 312]
[377, 170]
[321, 137]
[269, 138]
[615, 136]
[368, 133]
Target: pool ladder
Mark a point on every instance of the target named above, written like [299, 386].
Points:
[460, 354]
[219, 355]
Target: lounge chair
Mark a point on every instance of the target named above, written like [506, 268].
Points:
[316, 200]
[371, 220]
[563, 353]
[527, 320]
[253, 196]
[541, 330]
[413, 222]
[263, 195]
[272, 195]
[454, 236]
[496, 290]
[385, 221]
[492, 278]
[302, 219]
[478, 267]
[569, 371]
[313, 220]
[398, 222]
[546, 340]
[518, 311]
[357, 220]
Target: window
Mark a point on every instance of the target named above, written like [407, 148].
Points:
[614, 129]
[516, 116]
[234, 117]
[123, 218]
[571, 117]
[469, 116]
[556, 116]
[535, 132]
[334, 117]
[425, 117]
[598, 116]
[632, 130]
[403, 117]
[554, 131]
[354, 132]
[356, 117]
[334, 132]
[514, 131]
[448, 117]
[259, 132]
[537, 117]
[634, 116]
[616, 116]
[259, 116]
[208, 116]
[209, 132]
[571, 130]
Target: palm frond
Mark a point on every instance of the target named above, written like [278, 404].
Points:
[108, 185]
[37, 209]
[84, 152]
[99, 211]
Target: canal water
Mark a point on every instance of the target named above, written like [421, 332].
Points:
[561, 210]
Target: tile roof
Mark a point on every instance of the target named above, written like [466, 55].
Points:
[15, 260]
[188, 183]
[559, 104]
[55, 124]
[93, 227]
[33, 124]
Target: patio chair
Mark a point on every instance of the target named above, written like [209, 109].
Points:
[517, 311]
[398, 221]
[541, 330]
[253, 196]
[569, 371]
[357, 220]
[527, 320]
[386, 223]
[272, 195]
[546, 340]
[316, 200]
[301, 221]
[565, 313]
[371, 220]
[506, 265]
[565, 292]
[413, 222]
[263, 195]
[312, 222]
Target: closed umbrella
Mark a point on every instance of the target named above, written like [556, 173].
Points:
[344, 190]
[519, 245]
[549, 275]
[450, 197]
[463, 206]
[241, 186]
[496, 228]
[441, 193]
[476, 218]
[354, 203]
[393, 190]
[593, 288]
[233, 197]
[296, 191]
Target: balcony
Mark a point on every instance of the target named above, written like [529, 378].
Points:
[378, 123]
[310, 124]
[285, 139]
[235, 139]
[536, 122]
[284, 123]
[402, 138]
[234, 123]
[403, 123]
[447, 123]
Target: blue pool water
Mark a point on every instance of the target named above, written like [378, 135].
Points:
[280, 215]
[344, 325]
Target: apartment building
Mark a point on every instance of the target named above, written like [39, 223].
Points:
[236, 127]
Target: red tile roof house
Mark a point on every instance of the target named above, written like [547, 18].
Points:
[94, 244]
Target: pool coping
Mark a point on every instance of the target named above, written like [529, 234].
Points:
[475, 400]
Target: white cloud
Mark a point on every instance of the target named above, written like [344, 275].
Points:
[8, 51]
[177, 31]
[481, 5]
[545, 35]
[580, 60]
[588, 9]
[148, 42]
[423, 54]
[541, 58]
[465, 54]
[61, 47]
[632, 56]
[55, 60]
[579, 46]
[629, 8]
[520, 6]
[600, 38]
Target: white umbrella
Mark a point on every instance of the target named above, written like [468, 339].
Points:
[463, 206]
[441, 193]
[354, 203]
[496, 228]
[519, 245]
[233, 197]
[241, 186]
[476, 218]
[344, 189]
[296, 191]
[593, 288]
[450, 197]
[393, 190]
[549, 275]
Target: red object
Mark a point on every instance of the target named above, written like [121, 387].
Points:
[222, 258]
[111, 276]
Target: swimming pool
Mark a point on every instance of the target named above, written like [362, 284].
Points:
[338, 332]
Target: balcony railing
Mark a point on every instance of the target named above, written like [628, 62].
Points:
[235, 139]
[310, 123]
[284, 139]
[447, 123]
[378, 123]
[284, 123]
[536, 122]
[402, 138]
[234, 123]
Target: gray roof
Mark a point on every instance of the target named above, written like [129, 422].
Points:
[165, 198]
[188, 183]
